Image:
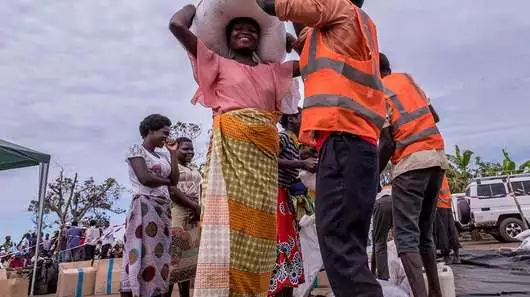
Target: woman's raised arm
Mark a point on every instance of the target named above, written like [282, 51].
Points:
[180, 24]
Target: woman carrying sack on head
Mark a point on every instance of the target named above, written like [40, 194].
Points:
[238, 237]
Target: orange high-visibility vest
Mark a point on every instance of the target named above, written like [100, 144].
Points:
[341, 94]
[444, 196]
[413, 125]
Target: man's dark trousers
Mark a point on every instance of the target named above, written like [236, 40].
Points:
[382, 225]
[346, 188]
[414, 196]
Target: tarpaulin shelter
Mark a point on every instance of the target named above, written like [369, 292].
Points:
[15, 156]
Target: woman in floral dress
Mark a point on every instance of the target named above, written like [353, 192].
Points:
[146, 253]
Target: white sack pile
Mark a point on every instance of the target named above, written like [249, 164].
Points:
[524, 237]
[311, 255]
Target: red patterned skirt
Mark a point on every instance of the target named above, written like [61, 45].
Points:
[289, 269]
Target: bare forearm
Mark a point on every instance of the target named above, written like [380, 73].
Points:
[179, 198]
[179, 25]
[310, 13]
[386, 148]
[267, 6]
[175, 173]
[290, 164]
[145, 177]
[153, 181]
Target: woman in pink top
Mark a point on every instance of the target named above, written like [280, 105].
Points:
[238, 240]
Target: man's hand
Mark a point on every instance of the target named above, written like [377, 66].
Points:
[267, 6]
[309, 164]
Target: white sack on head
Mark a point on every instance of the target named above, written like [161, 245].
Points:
[212, 17]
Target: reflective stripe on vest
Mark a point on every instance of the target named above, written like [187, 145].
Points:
[442, 201]
[404, 116]
[417, 137]
[342, 93]
[444, 196]
[413, 127]
[315, 64]
[346, 102]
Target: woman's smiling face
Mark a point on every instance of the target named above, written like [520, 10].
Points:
[244, 36]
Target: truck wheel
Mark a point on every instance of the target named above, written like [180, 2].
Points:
[509, 228]
[464, 211]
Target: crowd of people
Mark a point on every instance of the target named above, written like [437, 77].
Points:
[71, 243]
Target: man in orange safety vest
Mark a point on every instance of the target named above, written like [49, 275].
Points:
[445, 233]
[416, 148]
[343, 114]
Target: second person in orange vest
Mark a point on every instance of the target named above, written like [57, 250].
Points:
[445, 233]
[343, 114]
[416, 149]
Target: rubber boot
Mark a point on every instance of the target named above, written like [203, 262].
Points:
[446, 258]
[456, 258]
[413, 269]
[431, 270]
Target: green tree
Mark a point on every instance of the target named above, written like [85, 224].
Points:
[69, 199]
[101, 219]
[185, 129]
[386, 175]
[460, 169]
[509, 166]
[487, 168]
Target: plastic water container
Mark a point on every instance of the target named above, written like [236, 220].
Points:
[447, 280]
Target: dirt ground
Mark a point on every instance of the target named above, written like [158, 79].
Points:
[467, 246]
[486, 245]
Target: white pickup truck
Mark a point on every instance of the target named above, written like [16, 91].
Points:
[490, 207]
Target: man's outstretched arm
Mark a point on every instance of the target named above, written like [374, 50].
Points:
[311, 13]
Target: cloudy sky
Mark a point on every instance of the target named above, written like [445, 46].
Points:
[76, 77]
